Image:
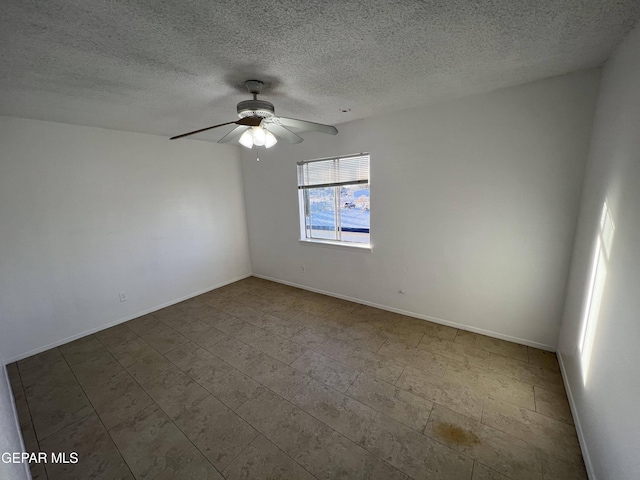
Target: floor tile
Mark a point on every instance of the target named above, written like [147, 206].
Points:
[456, 396]
[226, 383]
[278, 347]
[192, 359]
[344, 414]
[543, 358]
[405, 324]
[406, 355]
[453, 350]
[194, 307]
[237, 354]
[82, 350]
[143, 324]
[43, 368]
[14, 376]
[283, 423]
[365, 361]
[330, 456]
[56, 404]
[243, 312]
[174, 392]
[97, 371]
[121, 341]
[19, 396]
[190, 465]
[117, 398]
[283, 379]
[308, 305]
[493, 345]
[480, 472]
[276, 325]
[163, 338]
[413, 453]
[552, 436]
[168, 314]
[526, 372]
[97, 457]
[306, 319]
[216, 430]
[38, 471]
[361, 336]
[230, 386]
[264, 461]
[401, 405]
[208, 337]
[150, 442]
[503, 453]
[326, 370]
[553, 404]
[556, 468]
[145, 364]
[489, 382]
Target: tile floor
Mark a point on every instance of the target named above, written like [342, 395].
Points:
[258, 380]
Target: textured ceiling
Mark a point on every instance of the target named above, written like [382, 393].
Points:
[166, 67]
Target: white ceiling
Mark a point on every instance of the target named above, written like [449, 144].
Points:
[166, 67]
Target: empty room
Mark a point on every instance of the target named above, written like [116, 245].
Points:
[320, 240]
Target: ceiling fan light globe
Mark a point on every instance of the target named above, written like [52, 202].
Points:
[270, 139]
[259, 136]
[246, 140]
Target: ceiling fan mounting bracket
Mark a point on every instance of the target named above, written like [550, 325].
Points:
[254, 86]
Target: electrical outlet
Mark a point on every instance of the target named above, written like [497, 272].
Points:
[123, 296]
[303, 268]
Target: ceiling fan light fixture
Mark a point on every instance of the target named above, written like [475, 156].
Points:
[246, 140]
[270, 139]
[259, 136]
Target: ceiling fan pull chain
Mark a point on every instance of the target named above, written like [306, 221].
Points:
[257, 155]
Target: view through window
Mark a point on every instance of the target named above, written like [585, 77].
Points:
[335, 199]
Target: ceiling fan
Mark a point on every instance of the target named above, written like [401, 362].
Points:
[259, 126]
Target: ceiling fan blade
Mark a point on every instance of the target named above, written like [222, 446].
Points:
[304, 125]
[234, 134]
[281, 132]
[250, 121]
[201, 130]
[247, 121]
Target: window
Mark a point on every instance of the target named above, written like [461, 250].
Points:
[335, 199]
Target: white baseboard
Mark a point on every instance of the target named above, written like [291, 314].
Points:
[576, 420]
[57, 343]
[448, 323]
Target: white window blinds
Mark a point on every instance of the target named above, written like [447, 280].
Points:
[333, 172]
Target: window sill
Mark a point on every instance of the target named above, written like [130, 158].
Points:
[361, 247]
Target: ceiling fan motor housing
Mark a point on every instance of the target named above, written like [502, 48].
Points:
[256, 108]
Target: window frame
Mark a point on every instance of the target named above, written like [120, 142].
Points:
[303, 210]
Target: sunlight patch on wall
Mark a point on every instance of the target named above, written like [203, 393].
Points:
[595, 290]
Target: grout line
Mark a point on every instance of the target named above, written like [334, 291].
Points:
[24, 393]
[96, 412]
[395, 384]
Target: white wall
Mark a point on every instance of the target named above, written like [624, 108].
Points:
[604, 379]
[86, 213]
[476, 198]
